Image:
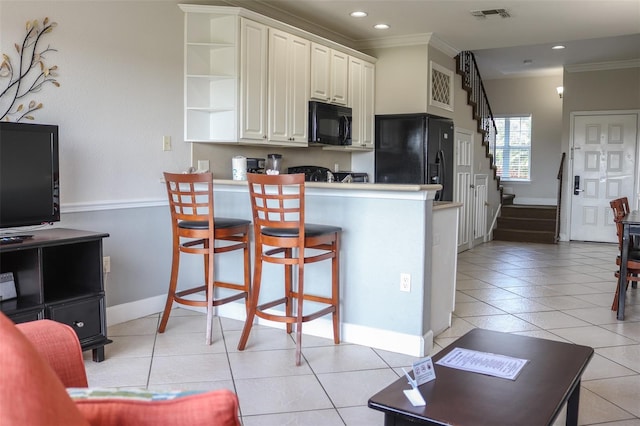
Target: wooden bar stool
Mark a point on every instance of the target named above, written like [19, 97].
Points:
[196, 231]
[281, 237]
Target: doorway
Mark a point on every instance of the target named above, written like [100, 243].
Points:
[463, 185]
[604, 168]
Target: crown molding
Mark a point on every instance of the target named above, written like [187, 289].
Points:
[408, 40]
[604, 66]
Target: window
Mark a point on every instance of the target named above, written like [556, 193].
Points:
[513, 147]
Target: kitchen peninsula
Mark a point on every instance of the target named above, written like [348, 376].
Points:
[388, 229]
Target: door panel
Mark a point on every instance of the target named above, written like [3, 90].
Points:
[463, 188]
[604, 164]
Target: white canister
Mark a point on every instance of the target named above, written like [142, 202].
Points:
[239, 167]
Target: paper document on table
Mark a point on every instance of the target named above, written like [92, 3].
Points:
[502, 366]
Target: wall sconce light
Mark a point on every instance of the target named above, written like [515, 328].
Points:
[560, 90]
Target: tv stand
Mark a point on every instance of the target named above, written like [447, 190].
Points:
[58, 276]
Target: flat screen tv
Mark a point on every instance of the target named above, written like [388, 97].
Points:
[29, 174]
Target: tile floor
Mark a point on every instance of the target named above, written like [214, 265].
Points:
[560, 292]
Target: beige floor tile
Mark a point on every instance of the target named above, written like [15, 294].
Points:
[118, 372]
[274, 395]
[331, 359]
[315, 417]
[490, 294]
[535, 291]
[189, 368]
[629, 356]
[603, 368]
[595, 315]
[194, 386]
[470, 309]
[393, 359]
[593, 336]
[551, 319]
[129, 346]
[594, 409]
[563, 302]
[174, 343]
[520, 305]
[258, 364]
[625, 328]
[621, 391]
[137, 327]
[261, 339]
[361, 416]
[351, 388]
[504, 323]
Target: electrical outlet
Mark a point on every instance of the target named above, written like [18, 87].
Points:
[106, 264]
[405, 282]
[166, 143]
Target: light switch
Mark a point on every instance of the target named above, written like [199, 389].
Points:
[166, 143]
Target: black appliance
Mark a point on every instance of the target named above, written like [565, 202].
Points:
[311, 173]
[323, 174]
[255, 165]
[415, 149]
[329, 124]
[29, 174]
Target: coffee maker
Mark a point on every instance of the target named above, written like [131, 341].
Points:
[255, 165]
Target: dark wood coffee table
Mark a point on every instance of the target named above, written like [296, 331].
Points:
[457, 397]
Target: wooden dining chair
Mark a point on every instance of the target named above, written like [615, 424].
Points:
[196, 230]
[282, 237]
[620, 207]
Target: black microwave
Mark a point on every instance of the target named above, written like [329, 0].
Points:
[329, 124]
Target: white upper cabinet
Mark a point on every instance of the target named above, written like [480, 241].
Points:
[253, 81]
[288, 110]
[361, 89]
[329, 72]
[248, 79]
[211, 77]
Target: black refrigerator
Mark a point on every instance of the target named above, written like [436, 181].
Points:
[415, 149]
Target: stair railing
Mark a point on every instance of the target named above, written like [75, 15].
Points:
[467, 67]
[560, 178]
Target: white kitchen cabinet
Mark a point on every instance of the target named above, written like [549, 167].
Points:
[361, 89]
[329, 74]
[211, 76]
[253, 81]
[289, 61]
[247, 77]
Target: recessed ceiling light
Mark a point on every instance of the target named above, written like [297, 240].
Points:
[381, 26]
[558, 47]
[358, 14]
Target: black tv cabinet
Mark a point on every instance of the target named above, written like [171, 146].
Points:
[58, 276]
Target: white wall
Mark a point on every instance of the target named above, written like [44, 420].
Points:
[593, 90]
[536, 96]
[120, 70]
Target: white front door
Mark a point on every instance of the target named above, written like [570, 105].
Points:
[463, 187]
[604, 164]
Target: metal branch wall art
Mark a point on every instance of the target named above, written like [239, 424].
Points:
[28, 76]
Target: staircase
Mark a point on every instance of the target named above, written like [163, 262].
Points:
[525, 223]
[467, 68]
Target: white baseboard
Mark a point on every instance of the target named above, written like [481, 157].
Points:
[418, 346]
[133, 310]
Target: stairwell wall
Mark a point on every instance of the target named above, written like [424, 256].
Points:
[536, 96]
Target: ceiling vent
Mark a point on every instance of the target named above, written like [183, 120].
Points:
[484, 13]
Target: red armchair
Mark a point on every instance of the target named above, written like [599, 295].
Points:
[39, 359]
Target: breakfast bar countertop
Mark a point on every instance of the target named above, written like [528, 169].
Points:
[360, 186]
